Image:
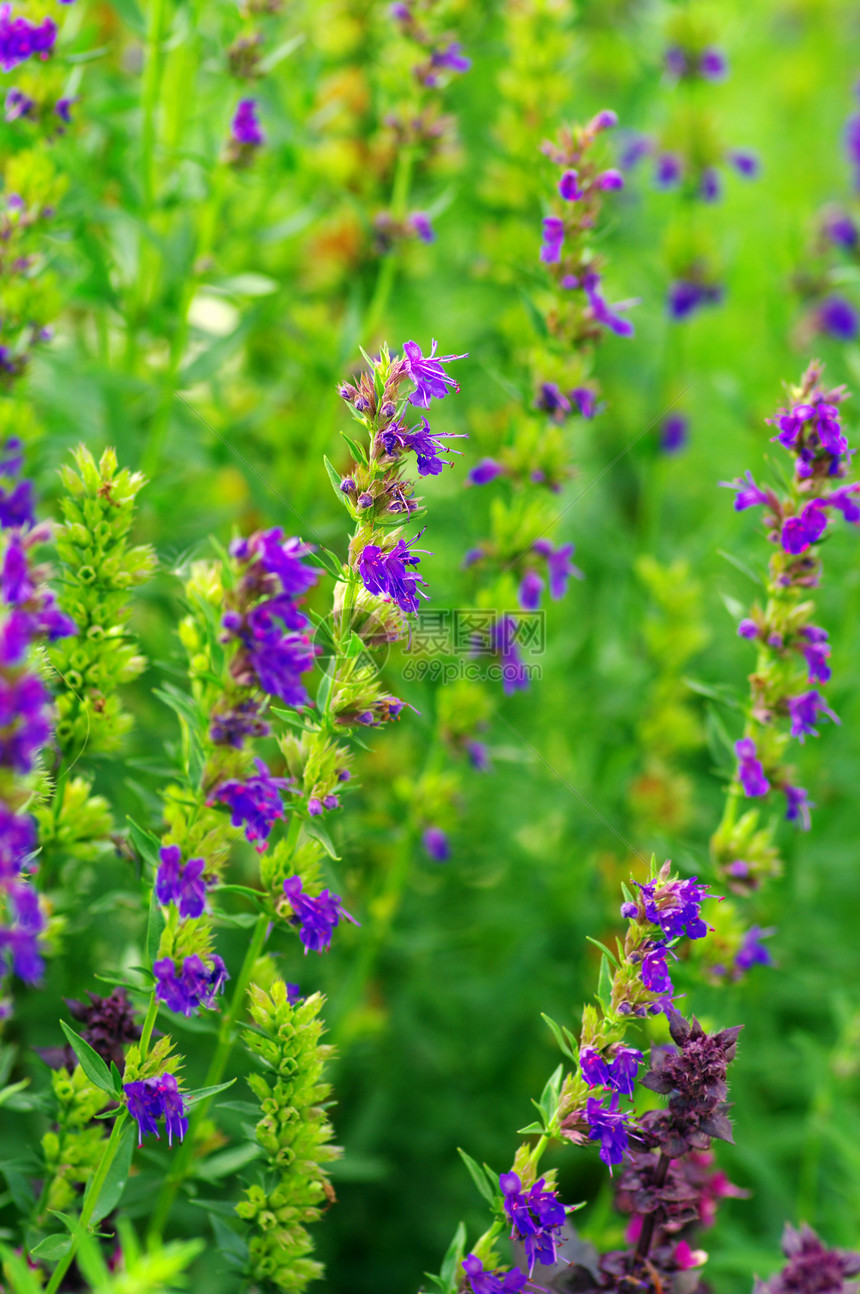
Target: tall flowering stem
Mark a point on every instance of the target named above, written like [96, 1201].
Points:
[786, 700]
[574, 317]
[591, 1102]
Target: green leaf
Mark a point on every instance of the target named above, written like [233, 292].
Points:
[604, 949]
[724, 693]
[538, 321]
[114, 1184]
[531, 1128]
[449, 1273]
[117, 1078]
[548, 1104]
[13, 1089]
[52, 1247]
[281, 52]
[478, 1176]
[318, 832]
[604, 984]
[335, 478]
[146, 844]
[89, 1060]
[358, 451]
[741, 566]
[201, 1093]
[154, 927]
[563, 1037]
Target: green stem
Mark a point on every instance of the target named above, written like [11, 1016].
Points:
[97, 1181]
[214, 1075]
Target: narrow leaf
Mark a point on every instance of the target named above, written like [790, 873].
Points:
[89, 1060]
[477, 1175]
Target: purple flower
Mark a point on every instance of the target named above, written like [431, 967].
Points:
[190, 986]
[487, 1282]
[231, 728]
[420, 222]
[667, 171]
[568, 187]
[654, 971]
[485, 471]
[634, 147]
[20, 39]
[752, 951]
[478, 756]
[748, 493]
[675, 907]
[317, 917]
[798, 533]
[245, 128]
[18, 105]
[816, 653]
[586, 400]
[840, 229]
[294, 994]
[843, 501]
[151, 1099]
[811, 1268]
[531, 587]
[553, 237]
[603, 120]
[748, 629]
[602, 311]
[279, 557]
[427, 447]
[451, 57]
[559, 566]
[184, 886]
[256, 803]
[437, 844]
[428, 374]
[687, 295]
[503, 641]
[745, 163]
[274, 657]
[709, 189]
[17, 841]
[673, 433]
[536, 1217]
[593, 1067]
[63, 109]
[750, 771]
[551, 399]
[610, 180]
[852, 146]
[623, 1070]
[712, 64]
[798, 805]
[384, 573]
[608, 1125]
[837, 318]
[804, 710]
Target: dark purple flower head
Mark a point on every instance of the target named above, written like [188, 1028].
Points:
[231, 728]
[152, 1099]
[245, 128]
[109, 1025]
[798, 805]
[673, 433]
[255, 804]
[694, 1078]
[384, 572]
[750, 771]
[316, 918]
[838, 318]
[804, 710]
[536, 1217]
[811, 1268]
[428, 374]
[608, 1125]
[437, 844]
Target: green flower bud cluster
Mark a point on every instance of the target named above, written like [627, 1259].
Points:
[75, 824]
[295, 1135]
[74, 1146]
[101, 570]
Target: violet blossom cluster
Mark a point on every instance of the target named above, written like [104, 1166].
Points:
[29, 616]
[150, 1100]
[186, 983]
[793, 663]
[21, 39]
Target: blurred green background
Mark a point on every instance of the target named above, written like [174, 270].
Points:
[448, 1045]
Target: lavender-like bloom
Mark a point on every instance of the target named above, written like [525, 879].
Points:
[593, 1067]
[816, 653]
[152, 1099]
[750, 772]
[687, 295]
[183, 885]
[485, 471]
[503, 641]
[798, 805]
[437, 844]
[428, 374]
[568, 187]
[245, 128]
[420, 222]
[811, 1268]
[673, 433]
[752, 951]
[800, 532]
[623, 1070]
[840, 228]
[608, 1125]
[451, 57]
[384, 573]
[804, 710]
[852, 146]
[559, 566]
[837, 318]
[713, 65]
[192, 985]
[553, 237]
[667, 171]
[21, 39]
[317, 917]
[536, 1217]
[602, 311]
[654, 971]
[492, 1282]
[745, 163]
[675, 907]
[427, 447]
[694, 1077]
[255, 803]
